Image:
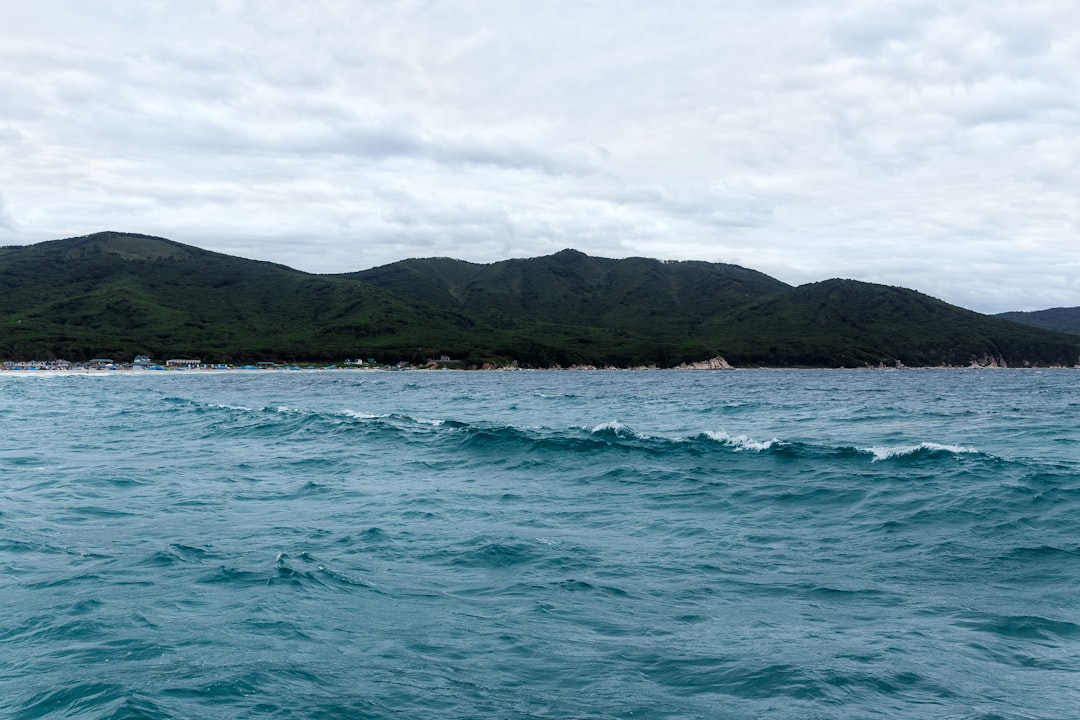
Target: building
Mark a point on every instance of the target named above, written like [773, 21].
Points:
[183, 363]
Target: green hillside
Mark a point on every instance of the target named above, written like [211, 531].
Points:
[625, 312]
[657, 299]
[846, 323]
[117, 295]
[120, 294]
[1058, 319]
[570, 308]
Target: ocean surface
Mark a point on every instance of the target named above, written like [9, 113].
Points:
[351, 544]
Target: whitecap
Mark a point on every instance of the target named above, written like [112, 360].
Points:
[742, 442]
[886, 452]
[357, 415]
[220, 406]
[616, 429]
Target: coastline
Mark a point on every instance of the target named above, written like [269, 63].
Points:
[130, 372]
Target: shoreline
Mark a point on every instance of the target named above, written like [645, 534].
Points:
[132, 372]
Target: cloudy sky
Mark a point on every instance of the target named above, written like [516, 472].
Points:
[933, 145]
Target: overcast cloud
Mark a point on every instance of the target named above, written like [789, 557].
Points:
[933, 145]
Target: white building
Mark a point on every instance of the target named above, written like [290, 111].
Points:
[183, 363]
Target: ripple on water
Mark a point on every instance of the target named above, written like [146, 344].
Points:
[525, 545]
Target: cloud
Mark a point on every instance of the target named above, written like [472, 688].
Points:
[914, 143]
[6, 221]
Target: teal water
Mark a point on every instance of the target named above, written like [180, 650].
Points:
[749, 544]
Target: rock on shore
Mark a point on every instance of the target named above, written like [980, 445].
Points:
[716, 363]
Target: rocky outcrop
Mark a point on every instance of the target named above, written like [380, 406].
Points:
[988, 361]
[716, 363]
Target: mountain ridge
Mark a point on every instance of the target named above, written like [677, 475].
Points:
[115, 293]
[1060, 319]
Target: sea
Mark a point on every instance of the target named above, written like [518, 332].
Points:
[595, 544]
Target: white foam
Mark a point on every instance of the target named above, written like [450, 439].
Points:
[616, 428]
[357, 415]
[360, 415]
[220, 406]
[886, 452]
[611, 425]
[742, 442]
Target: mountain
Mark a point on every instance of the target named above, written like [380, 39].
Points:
[668, 312]
[847, 323]
[571, 308]
[572, 288]
[1058, 319]
[121, 294]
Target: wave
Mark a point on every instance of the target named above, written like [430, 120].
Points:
[1023, 627]
[308, 574]
[288, 420]
[742, 442]
[320, 575]
[1044, 553]
[617, 430]
[281, 420]
[522, 554]
[924, 449]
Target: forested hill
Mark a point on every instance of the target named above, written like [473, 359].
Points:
[650, 298]
[749, 318]
[1059, 319]
[847, 323]
[121, 294]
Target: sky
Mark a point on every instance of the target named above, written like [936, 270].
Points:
[931, 145]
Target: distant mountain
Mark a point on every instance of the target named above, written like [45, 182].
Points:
[1058, 319]
[851, 323]
[122, 294]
